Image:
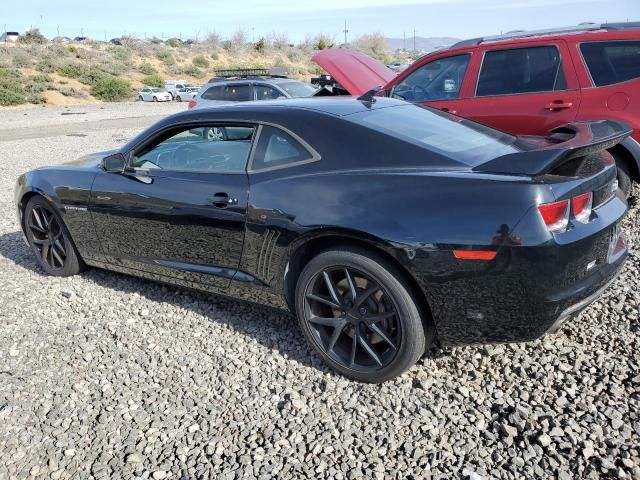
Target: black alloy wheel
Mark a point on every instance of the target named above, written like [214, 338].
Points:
[359, 316]
[47, 237]
[50, 240]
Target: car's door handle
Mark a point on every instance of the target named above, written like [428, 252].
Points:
[222, 200]
[558, 105]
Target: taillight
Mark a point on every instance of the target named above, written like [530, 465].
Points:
[191, 104]
[581, 207]
[555, 215]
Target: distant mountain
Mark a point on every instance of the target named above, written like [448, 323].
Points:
[423, 44]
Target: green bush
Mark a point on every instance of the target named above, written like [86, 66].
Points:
[200, 61]
[11, 97]
[87, 74]
[153, 81]
[174, 42]
[166, 58]
[111, 89]
[36, 98]
[21, 60]
[147, 69]
[33, 36]
[72, 92]
[11, 92]
[47, 64]
[260, 45]
[192, 71]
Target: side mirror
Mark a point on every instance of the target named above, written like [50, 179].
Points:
[114, 163]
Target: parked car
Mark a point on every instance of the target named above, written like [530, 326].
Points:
[185, 94]
[9, 37]
[244, 88]
[172, 86]
[359, 215]
[149, 94]
[524, 83]
[116, 41]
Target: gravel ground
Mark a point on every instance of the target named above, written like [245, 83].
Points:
[34, 116]
[108, 376]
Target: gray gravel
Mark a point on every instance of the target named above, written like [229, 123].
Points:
[108, 376]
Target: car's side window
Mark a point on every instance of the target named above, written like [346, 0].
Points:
[521, 70]
[237, 93]
[612, 62]
[437, 80]
[209, 149]
[277, 148]
[213, 93]
[265, 92]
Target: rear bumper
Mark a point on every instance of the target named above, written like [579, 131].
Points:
[575, 309]
[527, 291]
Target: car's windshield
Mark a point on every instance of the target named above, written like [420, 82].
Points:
[461, 140]
[155, 90]
[298, 89]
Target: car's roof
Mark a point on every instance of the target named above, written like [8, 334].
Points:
[338, 106]
[275, 80]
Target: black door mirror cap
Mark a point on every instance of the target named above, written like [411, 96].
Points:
[115, 163]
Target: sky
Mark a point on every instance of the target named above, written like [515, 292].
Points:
[298, 19]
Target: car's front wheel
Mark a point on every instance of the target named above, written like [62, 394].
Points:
[140, 98]
[49, 239]
[357, 312]
[178, 98]
[155, 99]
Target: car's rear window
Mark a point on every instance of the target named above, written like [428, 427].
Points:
[298, 89]
[460, 140]
[612, 62]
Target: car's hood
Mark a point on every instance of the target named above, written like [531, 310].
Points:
[356, 72]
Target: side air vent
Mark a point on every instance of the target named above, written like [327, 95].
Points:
[266, 253]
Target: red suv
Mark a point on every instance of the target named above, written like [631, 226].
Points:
[524, 83]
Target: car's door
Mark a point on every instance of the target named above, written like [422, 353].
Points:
[440, 83]
[179, 208]
[528, 89]
[238, 92]
[144, 93]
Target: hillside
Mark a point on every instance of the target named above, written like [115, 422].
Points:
[59, 73]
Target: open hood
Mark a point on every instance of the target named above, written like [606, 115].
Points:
[356, 72]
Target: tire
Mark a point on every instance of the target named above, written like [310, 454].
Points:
[44, 227]
[370, 330]
[178, 98]
[140, 98]
[155, 99]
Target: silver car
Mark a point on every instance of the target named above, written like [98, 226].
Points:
[149, 94]
[186, 94]
[222, 91]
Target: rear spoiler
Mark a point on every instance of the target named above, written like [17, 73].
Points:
[573, 140]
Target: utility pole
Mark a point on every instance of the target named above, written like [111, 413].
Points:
[414, 42]
[58, 30]
[404, 41]
[345, 31]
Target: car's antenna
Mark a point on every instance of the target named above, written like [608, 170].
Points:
[369, 96]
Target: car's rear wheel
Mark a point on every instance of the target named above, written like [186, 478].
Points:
[178, 98]
[356, 310]
[214, 134]
[49, 239]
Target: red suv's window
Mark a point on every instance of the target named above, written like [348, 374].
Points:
[439, 79]
[521, 70]
[612, 62]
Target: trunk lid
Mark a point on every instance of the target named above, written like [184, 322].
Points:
[354, 71]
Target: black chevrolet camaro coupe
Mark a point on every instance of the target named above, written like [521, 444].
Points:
[384, 226]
